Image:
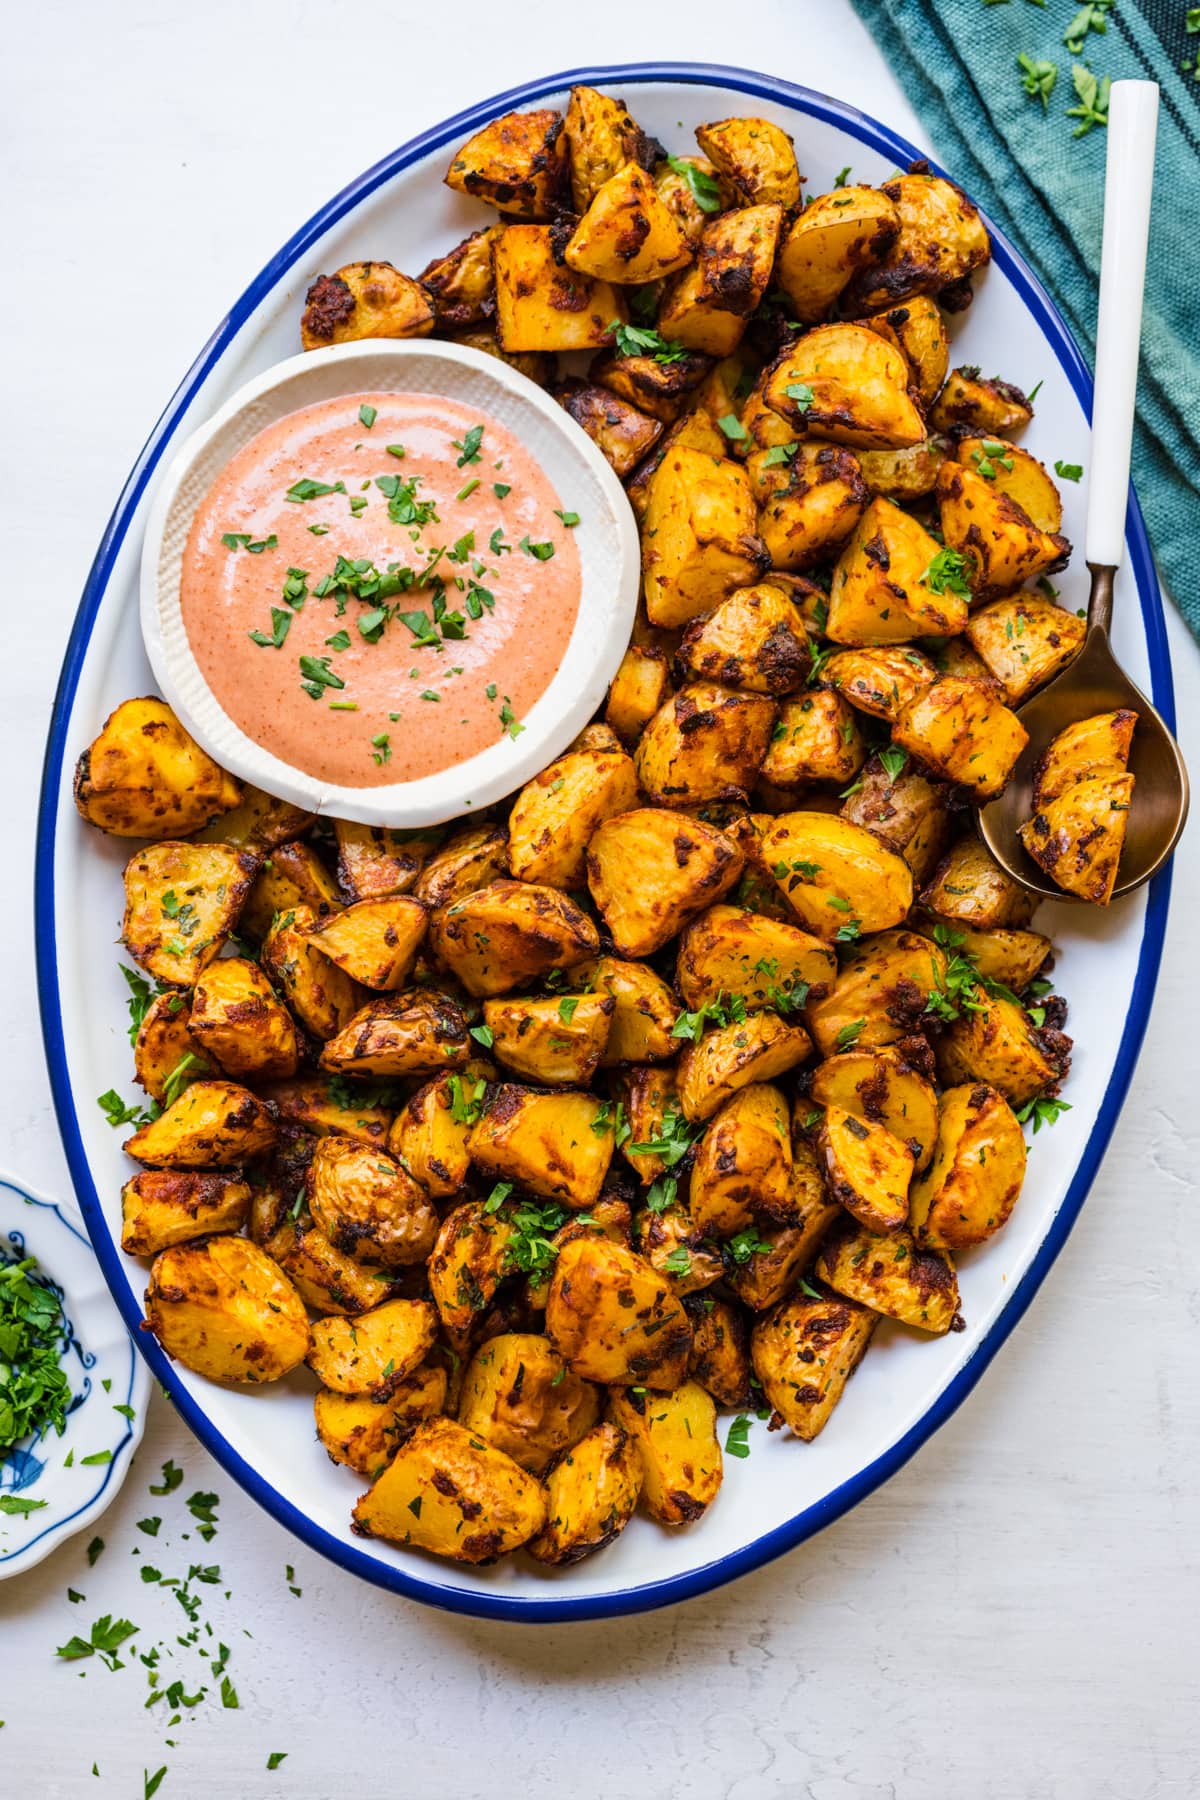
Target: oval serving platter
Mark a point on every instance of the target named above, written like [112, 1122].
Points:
[785, 1490]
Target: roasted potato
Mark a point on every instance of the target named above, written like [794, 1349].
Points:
[327, 1279]
[762, 962]
[212, 1125]
[1078, 837]
[880, 681]
[662, 389]
[363, 1433]
[903, 474]
[970, 888]
[916, 327]
[1013, 958]
[839, 880]
[782, 1252]
[447, 1491]
[520, 1397]
[321, 1104]
[364, 300]
[836, 235]
[223, 1309]
[507, 934]
[518, 164]
[236, 1019]
[705, 743]
[460, 284]
[469, 860]
[847, 385]
[558, 1145]
[996, 1042]
[996, 540]
[694, 431]
[144, 777]
[994, 407]
[675, 1245]
[804, 1351]
[556, 813]
[416, 1032]
[941, 240]
[628, 233]
[375, 942]
[756, 158]
[376, 1353]
[258, 823]
[1025, 642]
[601, 139]
[623, 433]
[543, 305]
[650, 1097]
[892, 1275]
[645, 1011]
[1016, 473]
[809, 496]
[720, 1359]
[591, 1492]
[321, 995]
[889, 584]
[959, 730]
[730, 1057]
[428, 1137]
[650, 871]
[165, 1054]
[689, 186]
[881, 994]
[614, 1319]
[699, 537]
[743, 1167]
[905, 810]
[368, 1206]
[816, 738]
[161, 1207]
[469, 1261]
[972, 1184]
[292, 875]
[755, 640]
[867, 1170]
[676, 1438]
[882, 1087]
[557, 1041]
[181, 903]
[375, 861]
[706, 307]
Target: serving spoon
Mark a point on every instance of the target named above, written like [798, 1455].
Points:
[1095, 682]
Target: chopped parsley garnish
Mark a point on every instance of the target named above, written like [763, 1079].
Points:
[842, 176]
[569, 519]
[241, 540]
[316, 676]
[104, 1640]
[509, 722]
[638, 340]
[733, 428]
[1042, 1111]
[1093, 98]
[566, 1008]
[396, 450]
[306, 489]
[172, 1478]
[678, 1261]
[34, 1390]
[1068, 471]
[403, 506]
[530, 1249]
[892, 759]
[116, 1111]
[705, 188]
[801, 393]
[281, 624]
[381, 751]
[848, 1036]
[780, 453]
[947, 574]
[543, 551]
[1038, 78]
[1092, 16]
[501, 489]
[737, 1438]
[469, 447]
[367, 415]
[339, 641]
[745, 1244]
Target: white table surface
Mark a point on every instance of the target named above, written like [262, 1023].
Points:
[1015, 1613]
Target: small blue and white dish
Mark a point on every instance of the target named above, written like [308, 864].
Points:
[69, 1480]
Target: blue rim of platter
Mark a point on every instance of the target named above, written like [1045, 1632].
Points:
[55, 1527]
[814, 1518]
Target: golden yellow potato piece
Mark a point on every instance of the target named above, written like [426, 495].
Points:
[675, 1246]
[809, 496]
[321, 995]
[556, 813]
[644, 1012]
[628, 234]
[429, 1136]
[700, 535]
[996, 1042]
[377, 1352]
[327, 1279]
[845, 384]
[638, 689]
[755, 640]
[705, 743]
[676, 1438]
[972, 1184]
[994, 407]
[165, 1054]
[1018, 474]
[887, 587]
[609, 1219]
[941, 240]
[560, 1040]
[880, 995]
[805, 1351]
[763, 962]
[321, 1105]
[756, 1048]
[706, 306]
[743, 1167]
[622, 432]
[368, 1206]
[181, 903]
[998, 542]
[771, 1272]
[651, 870]
[1093, 747]
[903, 475]
[839, 880]
[836, 235]
[238, 1020]
[756, 157]
[917, 328]
[1012, 958]
[1025, 642]
[223, 1309]
[469, 1261]
[293, 875]
[591, 1492]
[362, 1433]
[961, 731]
[720, 1359]
[601, 139]
[144, 777]
[1078, 837]
[557, 1145]
[892, 1275]
[460, 283]
[417, 1032]
[650, 1097]
[375, 861]
[212, 1125]
[661, 389]
[161, 1207]
[816, 738]
[375, 941]
[517, 163]
[543, 305]
[694, 431]
[881, 1087]
[867, 1169]
[447, 1491]
[615, 1319]
[364, 300]
[505, 935]
[520, 1397]
[258, 823]
[970, 888]
[908, 812]
[882, 680]
[467, 861]
[693, 208]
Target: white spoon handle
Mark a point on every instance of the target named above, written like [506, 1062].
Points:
[1129, 177]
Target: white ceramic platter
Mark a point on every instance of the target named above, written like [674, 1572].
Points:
[785, 1490]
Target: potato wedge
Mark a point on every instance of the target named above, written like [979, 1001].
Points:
[816, 738]
[731, 1057]
[838, 879]
[223, 1309]
[889, 587]
[756, 157]
[942, 239]
[165, 1054]
[181, 903]
[469, 860]
[557, 1041]
[259, 823]
[1084, 750]
[237, 1019]
[591, 1492]
[557, 1145]
[650, 1097]
[783, 1252]
[469, 1261]
[161, 1207]
[676, 1438]
[906, 811]
[903, 475]
[743, 1167]
[323, 1104]
[415, 1032]
[867, 1169]
[700, 535]
[705, 743]
[1078, 837]
[375, 942]
[376, 1353]
[674, 1244]
[614, 1319]
[543, 305]
[321, 995]
[836, 235]
[997, 1043]
[628, 233]
[518, 164]
[448, 1492]
[845, 385]
[706, 306]
[363, 1433]
[644, 1010]
[650, 871]
[970, 888]
[994, 407]
[762, 962]
[720, 1359]
[519, 1396]
[880, 681]
[375, 861]
[755, 640]
[881, 993]
[367, 1205]
[507, 934]
[804, 1352]
[144, 777]
[882, 1087]
[661, 389]
[961, 731]
[212, 1125]
[809, 496]
[291, 875]
[327, 1279]
[892, 1275]
[1013, 958]
[973, 1182]
[694, 431]
[917, 328]
[623, 433]
[460, 283]
[601, 138]
[428, 1137]
[998, 542]
[1018, 474]
[556, 813]
[689, 186]
[364, 300]
[1025, 642]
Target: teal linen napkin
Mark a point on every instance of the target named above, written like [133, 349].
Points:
[958, 62]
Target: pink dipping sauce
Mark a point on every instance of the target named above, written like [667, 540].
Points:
[485, 681]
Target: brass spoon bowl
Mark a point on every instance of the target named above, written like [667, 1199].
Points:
[1095, 682]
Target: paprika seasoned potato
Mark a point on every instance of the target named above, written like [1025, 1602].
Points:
[743, 1167]
[363, 1433]
[867, 1169]
[836, 235]
[960, 731]
[755, 640]
[1025, 642]
[376, 1353]
[558, 1145]
[322, 1104]
[212, 1125]
[364, 300]
[520, 1397]
[622, 432]
[1018, 474]
[651, 870]
[804, 1352]
[469, 1261]
[375, 861]
[428, 1137]
[916, 327]
[161, 1207]
[460, 283]
[676, 1438]
[508, 933]
[553, 1041]
[905, 810]
[661, 389]
[706, 306]
[644, 1010]
[181, 903]
[700, 535]
[543, 305]
[1077, 838]
[941, 241]
[322, 996]
[783, 1252]
[368, 1206]
[601, 138]
[972, 1184]
[816, 738]
[223, 1309]
[998, 1043]
[845, 384]
[762, 962]
[997, 542]
[970, 888]
[375, 942]
[447, 1491]
[517, 164]
[694, 431]
[903, 475]
[165, 1054]
[720, 1359]
[1013, 958]
[892, 1275]
[416, 1032]
[467, 861]
[628, 233]
[731, 1057]
[674, 1244]
[556, 813]
[810, 497]
[1087, 748]
[258, 823]
[889, 583]
[705, 743]
[292, 875]
[591, 1491]
[881, 680]
[638, 689]
[756, 157]
[839, 880]
[882, 1087]
[327, 1279]
[236, 1018]
[615, 1319]
[995, 407]
[144, 777]
[881, 995]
